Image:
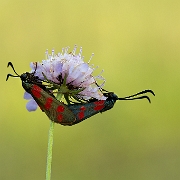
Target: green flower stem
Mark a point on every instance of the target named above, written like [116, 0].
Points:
[50, 146]
[49, 151]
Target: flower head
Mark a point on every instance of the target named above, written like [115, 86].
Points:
[71, 68]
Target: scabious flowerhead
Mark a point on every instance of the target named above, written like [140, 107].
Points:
[71, 68]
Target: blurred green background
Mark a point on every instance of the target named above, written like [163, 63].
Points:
[137, 43]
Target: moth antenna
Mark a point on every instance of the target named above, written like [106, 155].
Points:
[8, 75]
[142, 92]
[133, 97]
[141, 97]
[10, 64]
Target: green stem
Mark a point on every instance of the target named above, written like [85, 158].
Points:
[50, 146]
[49, 152]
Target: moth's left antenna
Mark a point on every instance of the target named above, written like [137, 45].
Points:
[8, 75]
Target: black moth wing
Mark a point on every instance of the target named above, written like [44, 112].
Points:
[54, 109]
[83, 111]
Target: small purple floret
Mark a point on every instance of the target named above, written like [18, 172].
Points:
[72, 66]
[31, 105]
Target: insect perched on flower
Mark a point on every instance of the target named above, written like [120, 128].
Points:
[67, 74]
[83, 111]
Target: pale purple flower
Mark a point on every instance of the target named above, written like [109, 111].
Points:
[31, 105]
[78, 74]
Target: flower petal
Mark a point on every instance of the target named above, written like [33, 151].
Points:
[27, 95]
[72, 66]
[31, 105]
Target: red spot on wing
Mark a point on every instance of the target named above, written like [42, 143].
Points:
[82, 108]
[60, 117]
[36, 91]
[99, 105]
[48, 103]
[60, 108]
[81, 115]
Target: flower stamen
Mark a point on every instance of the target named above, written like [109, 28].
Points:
[67, 73]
